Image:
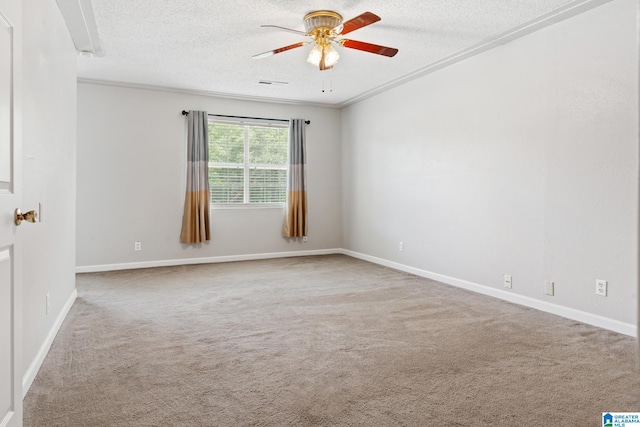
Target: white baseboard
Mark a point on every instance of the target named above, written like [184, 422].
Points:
[569, 313]
[207, 260]
[31, 373]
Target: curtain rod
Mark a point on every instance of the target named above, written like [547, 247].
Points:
[186, 113]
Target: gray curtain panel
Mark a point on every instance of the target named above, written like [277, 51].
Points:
[195, 221]
[295, 222]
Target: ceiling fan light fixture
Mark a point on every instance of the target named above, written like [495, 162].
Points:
[323, 56]
[315, 55]
[330, 56]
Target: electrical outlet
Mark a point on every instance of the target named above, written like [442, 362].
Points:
[48, 306]
[601, 287]
[401, 246]
[137, 245]
[507, 281]
[305, 239]
[549, 288]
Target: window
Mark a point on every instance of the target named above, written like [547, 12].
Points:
[247, 162]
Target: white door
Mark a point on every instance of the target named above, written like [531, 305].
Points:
[10, 151]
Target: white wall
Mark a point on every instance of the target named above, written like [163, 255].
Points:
[522, 160]
[49, 144]
[131, 179]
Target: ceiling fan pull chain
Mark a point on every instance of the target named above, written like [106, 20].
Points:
[331, 80]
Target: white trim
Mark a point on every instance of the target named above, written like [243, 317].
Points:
[31, 373]
[203, 93]
[562, 13]
[228, 206]
[81, 24]
[569, 313]
[5, 254]
[206, 260]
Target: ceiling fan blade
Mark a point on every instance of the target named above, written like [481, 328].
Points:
[279, 50]
[285, 29]
[368, 47]
[359, 21]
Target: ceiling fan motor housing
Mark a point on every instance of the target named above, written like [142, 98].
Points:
[321, 21]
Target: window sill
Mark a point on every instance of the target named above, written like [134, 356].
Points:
[247, 206]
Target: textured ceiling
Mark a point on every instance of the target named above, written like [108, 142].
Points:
[207, 45]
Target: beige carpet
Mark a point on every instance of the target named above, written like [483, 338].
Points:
[320, 341]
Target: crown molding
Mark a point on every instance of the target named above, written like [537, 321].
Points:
[204, 93]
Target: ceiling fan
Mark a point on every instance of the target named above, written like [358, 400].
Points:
[325, 28]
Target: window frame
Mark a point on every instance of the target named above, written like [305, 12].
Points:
[246, 165]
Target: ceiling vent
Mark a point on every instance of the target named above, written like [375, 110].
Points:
[272, 82]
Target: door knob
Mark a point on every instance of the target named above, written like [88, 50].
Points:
[30, 216]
